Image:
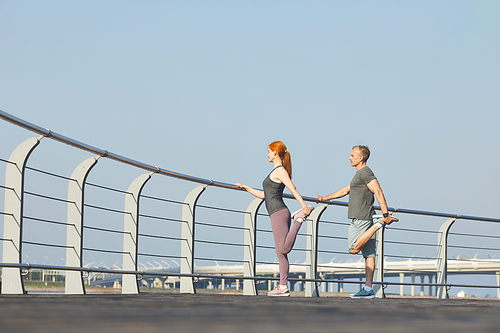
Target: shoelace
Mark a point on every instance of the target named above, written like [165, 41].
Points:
[278, 288]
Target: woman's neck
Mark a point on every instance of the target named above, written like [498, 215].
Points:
[277, 161]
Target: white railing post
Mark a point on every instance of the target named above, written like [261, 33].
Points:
[311, 289]
[498, 284]
[13, 223]
[378, 275]
[442, 259]
[250, 246]
[187, 242]
[130, 235]
[74, 231]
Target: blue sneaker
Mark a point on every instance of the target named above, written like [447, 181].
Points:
[363, 294]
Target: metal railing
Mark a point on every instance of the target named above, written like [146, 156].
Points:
[183, 244]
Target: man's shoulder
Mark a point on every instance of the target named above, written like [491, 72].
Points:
[366, 169]
[364, 175]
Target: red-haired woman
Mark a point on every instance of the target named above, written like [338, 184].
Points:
[273, 186]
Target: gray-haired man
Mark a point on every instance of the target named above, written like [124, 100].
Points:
[361, 190]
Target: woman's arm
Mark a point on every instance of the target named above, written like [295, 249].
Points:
[259, 194]
[283, 176]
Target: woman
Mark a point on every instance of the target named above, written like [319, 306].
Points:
[273, 186]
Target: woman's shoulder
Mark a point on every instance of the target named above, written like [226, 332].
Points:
[279, 169]
[281, 173]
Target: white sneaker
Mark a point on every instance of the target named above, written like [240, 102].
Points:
[278, 291]
[378, 219]
[299, 216]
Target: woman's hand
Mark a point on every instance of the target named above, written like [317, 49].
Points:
[240, 185]
[307, 210]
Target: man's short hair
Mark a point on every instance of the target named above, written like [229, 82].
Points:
[365, 152]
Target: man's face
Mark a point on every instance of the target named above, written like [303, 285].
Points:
[356, 157]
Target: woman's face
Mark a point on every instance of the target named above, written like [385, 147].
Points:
[271, 154]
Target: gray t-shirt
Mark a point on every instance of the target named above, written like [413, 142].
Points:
[361, 199]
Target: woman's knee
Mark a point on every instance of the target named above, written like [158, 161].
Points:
[282, 248]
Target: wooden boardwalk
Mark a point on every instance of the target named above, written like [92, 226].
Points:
[210, 312]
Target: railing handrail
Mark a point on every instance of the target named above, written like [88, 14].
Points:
[105, 153]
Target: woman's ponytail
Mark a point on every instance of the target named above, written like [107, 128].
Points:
[287, 163]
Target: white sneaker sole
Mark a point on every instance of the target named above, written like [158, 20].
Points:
[363, 297]
[394, 218]
[295, 213]
[282, 295]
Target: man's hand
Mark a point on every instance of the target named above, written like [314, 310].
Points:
[387, 220]
[320, 198]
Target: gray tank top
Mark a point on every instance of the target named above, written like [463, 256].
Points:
[273, 194]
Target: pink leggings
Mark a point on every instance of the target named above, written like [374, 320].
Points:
[284, 238]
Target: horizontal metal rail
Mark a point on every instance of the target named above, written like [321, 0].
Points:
[46, 221]
[220, 226]
[6, 161]
[107, 188]
[47, 245]
[161, 237]
[161, 218]
[106, 209]
[160, 255]
[222, 260]
[50, 174]
[48, 197]
[227, 277]
[107, 230]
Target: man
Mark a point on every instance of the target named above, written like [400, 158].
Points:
[363, 186]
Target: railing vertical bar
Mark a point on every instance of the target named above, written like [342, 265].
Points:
[250, 250]
[13, 223]
[311, 289]
[498, 284]
[130, 235]
[442, 261]
[187, 235]
[378, 275]
[74, 230]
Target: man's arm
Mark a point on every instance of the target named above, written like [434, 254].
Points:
[374, 186]
[335, 195]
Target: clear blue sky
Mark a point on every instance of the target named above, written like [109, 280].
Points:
[203, 87]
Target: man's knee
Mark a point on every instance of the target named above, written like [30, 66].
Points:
[356, 248]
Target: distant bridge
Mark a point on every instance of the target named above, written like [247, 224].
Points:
[336, 271]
